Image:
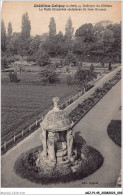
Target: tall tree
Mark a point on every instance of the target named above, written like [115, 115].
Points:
[3, 36]
[69, 29]
[85, 33]
[9, 29]
[52, 28]
[26, 26]
[84, 39]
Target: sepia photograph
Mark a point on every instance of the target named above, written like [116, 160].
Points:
[61, 94]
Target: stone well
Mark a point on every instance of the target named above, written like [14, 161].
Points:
[57, 138]
[58, 159]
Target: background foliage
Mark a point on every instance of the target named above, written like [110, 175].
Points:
[100, 42]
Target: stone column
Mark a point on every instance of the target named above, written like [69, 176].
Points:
[44, 141]
[69, 143]
[51, 146]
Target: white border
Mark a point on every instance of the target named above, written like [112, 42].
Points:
[60, 191]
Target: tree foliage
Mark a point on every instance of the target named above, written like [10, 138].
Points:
[56, 46]
[9, 29]
[69, 29]
[100, 42]
[42, 58]
[52, 27]
[70, 59]
[82, 77]
[4, 63]
[26, 26]
[51, 76]
[91, 68]
[13, 46]
[13, 77]
[3, 36]
[34, 44]
[85, 33]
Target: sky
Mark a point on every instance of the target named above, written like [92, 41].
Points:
[12, 11]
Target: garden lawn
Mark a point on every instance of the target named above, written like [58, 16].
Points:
[23, 104]
[114, 131]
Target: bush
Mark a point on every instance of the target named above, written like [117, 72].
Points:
[69, 79]
[84, 76]
[50, 76]
[10, 59]
[30, 58]
[42, 58]
[63, 106]
[4, 63]
[91, 68]
[70, 58]
[89, 86]
[13, 77]
[109, 66]
[67, 69]
[17, 57]
[98, 90]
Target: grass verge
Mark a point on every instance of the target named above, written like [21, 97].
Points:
[114, 131]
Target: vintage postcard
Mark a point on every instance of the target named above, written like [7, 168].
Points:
[61, 97]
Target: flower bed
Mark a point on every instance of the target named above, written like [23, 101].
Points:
[88, 103]
[25, 166]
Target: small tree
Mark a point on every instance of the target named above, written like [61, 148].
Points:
[91, 68]
[109, 66]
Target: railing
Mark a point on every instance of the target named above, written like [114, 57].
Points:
[71, 100]
[20, 135]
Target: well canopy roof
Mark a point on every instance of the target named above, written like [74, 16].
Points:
[56, 119]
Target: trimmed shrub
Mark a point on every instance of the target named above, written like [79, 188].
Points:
[69, 79]
[4, 63]
[13, 77]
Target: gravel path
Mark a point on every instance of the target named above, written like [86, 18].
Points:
[93, 128]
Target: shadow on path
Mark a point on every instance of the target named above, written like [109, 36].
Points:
[79, 142]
